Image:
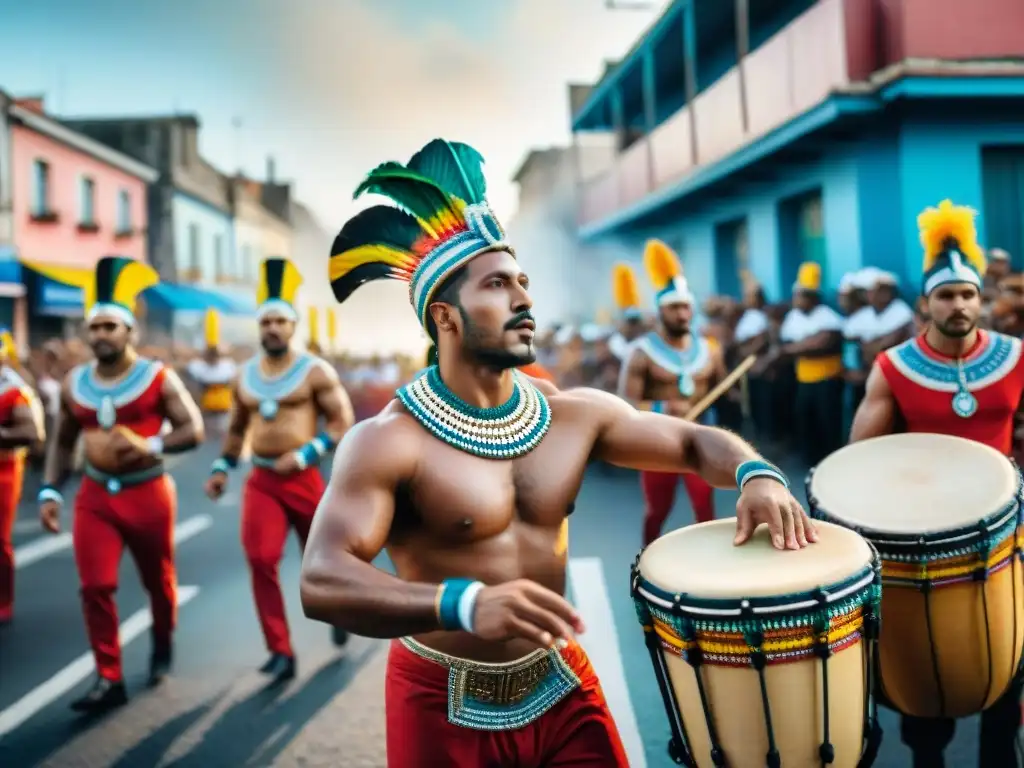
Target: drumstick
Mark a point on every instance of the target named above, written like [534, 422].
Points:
[723, 386]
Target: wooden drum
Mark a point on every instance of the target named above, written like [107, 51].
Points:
[944, 514]
[762, 657]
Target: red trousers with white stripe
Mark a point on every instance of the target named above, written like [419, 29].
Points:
[141, 518]
[271, 504]
[11, 472]
[660, 495]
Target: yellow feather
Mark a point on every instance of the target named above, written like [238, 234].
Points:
[948, 224]
[212, 328]
[808, 276]
[133, 280]
[624, 287]
[290, 282]
[661, 263]
[8, 349]
[314, 326]
[344, 262]
[332, 325]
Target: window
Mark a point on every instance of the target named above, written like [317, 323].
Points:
[219, 267]
[124, 211]
[193, 251]
[86, 201]
[40, 188]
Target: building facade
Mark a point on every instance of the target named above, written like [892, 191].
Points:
[756, 136]
[73, 201]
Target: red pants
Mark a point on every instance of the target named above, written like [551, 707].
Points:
[577, 732]
[11, 471]
[141, 518]
[270, 504]
[660, 494]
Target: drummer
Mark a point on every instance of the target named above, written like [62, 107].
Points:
[934, 383]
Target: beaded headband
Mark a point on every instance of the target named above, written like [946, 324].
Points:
[442, 222]
[951, 250]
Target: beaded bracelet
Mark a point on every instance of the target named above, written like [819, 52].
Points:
[455, 603]
[314, 450]
[223, 465]
[49, 493]
[658, 406]
[748, 470]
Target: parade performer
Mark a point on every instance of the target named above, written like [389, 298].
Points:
[811, 335]
[953, 379]
[118, 405]
[314, 332]
[21, 426]
[467, 478]
[626, 293]
[668, 371]
[213, 374]
[280, 396]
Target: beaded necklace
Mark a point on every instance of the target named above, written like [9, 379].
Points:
[504, 432]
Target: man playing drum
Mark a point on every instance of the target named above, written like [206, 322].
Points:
[954, 379]
[668, 370]
[467, 478]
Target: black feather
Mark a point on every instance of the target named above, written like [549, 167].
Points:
[378, 225]
[347, 284]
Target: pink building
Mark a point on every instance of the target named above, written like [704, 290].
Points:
[75, 200]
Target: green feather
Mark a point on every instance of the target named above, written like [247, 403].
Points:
[456, 168]
[415, 193]
[378, 225]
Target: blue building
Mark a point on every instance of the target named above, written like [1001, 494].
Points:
[760, 135]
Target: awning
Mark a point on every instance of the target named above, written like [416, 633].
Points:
[10, 271]
[57, 290]
[189, 298]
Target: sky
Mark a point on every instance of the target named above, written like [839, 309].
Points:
[329, 88]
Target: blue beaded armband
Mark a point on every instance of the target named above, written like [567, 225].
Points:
[314, 450]
[223, 465]
[748, 470]
[455, 602]
[49, 493]
[658, 406]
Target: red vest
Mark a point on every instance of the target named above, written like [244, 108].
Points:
[925, 382]
[134, 400]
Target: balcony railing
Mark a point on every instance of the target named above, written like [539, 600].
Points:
[790, 73]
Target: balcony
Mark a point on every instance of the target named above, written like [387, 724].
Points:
[819, 52]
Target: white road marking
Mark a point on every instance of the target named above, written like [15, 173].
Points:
[78, 670]
[27, 526]
[601, 642]
[45, 546]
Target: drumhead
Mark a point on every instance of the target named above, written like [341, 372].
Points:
[701, 561]
[913, 482]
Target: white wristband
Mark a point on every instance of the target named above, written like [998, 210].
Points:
[467, 605]
[300, 459]
[155, 445]
[50, 494]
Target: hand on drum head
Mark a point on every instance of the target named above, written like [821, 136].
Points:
[764, 500]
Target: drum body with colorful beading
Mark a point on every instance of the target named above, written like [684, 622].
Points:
[944, 514]
[763, 657]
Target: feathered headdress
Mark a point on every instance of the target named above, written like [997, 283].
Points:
[951, 250]
[808, 277]
[441, 223]
[8, 349]
[211, 327]
[278, 284]
[112, 289]
[314, 326]
[626, 291]
[666, 274]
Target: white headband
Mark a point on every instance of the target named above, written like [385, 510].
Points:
[277, 306]
[114, 310]
[955, 272]
[677, 292]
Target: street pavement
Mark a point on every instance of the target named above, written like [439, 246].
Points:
[216, 710]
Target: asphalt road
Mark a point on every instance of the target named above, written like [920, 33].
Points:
[216, 709]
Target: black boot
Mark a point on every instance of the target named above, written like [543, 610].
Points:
[279, 667]
[160, 664]
[339, 636]
[104, 694]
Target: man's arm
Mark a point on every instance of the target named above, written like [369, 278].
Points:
[181, 411]
[821, 344]
[59, 457]
[876, 415]
[332, 402]
[26, 427]
[351, 526]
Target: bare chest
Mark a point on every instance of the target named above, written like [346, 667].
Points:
[460, 498]
[265, 392]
